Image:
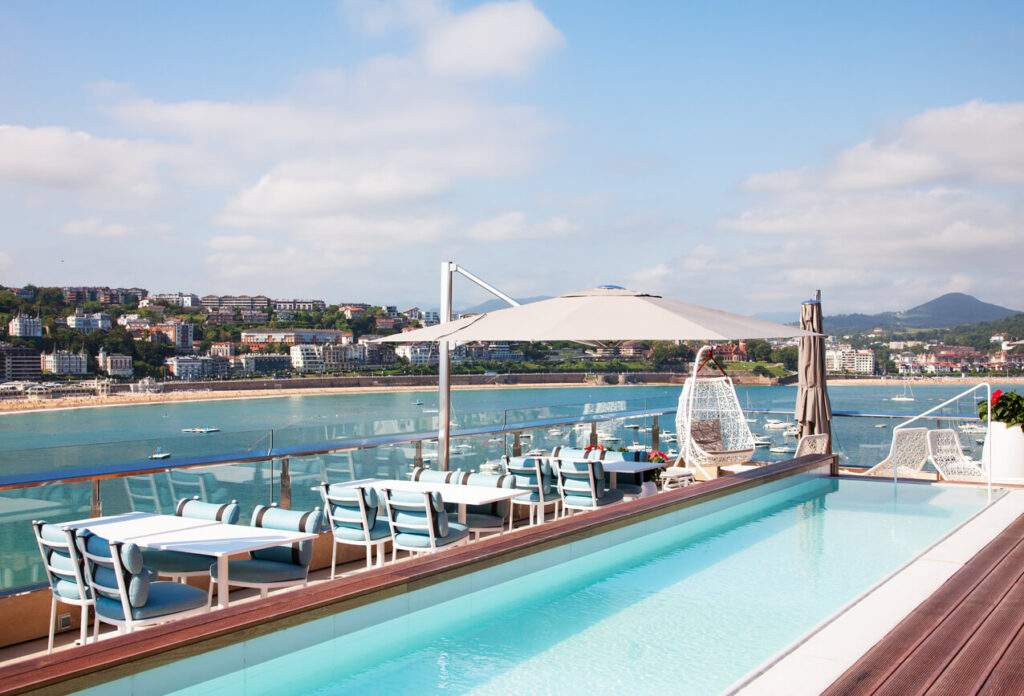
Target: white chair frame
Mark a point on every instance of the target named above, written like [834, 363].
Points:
[84, 600]
[368, 543]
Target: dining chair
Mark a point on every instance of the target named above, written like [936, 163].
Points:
[65, 575]
[179, 565]
[534, 474]
[419, 523]
[277, 566]
[352, 515]
[581, 484]
[488, 518]
[126, 595]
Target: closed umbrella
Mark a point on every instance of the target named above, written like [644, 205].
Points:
[813, 410]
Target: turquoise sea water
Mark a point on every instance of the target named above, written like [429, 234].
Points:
[686, 610]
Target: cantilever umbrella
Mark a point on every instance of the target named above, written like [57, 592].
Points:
[607, 314]
[813, 410]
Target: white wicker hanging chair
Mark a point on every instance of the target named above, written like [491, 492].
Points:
[710, 422]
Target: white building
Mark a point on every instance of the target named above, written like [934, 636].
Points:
[115, 364]
[846, 359]
[181, 299]
[63, 362]
[418, 353]
[26, 327]
[134, 322]
[87, 323]
[307, 358]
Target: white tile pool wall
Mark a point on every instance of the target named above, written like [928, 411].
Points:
[475, 594]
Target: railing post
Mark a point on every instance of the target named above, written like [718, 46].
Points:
[655, 436]
[286, 486]
[417, 458]
[517, 444]
[593, 434]
[95, 503]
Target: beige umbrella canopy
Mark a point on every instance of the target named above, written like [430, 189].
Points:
[813, 410]
[604, 314]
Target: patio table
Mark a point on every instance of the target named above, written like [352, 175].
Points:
[188, 535]
[615, 467]
[460, 494]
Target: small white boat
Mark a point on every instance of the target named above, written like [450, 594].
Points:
[980, 440]
[526, 436]
[610, 438]
[782, 449]
[775, 424]
[791, 431]
[973, 428]
[636, 448]
[907, 395]
[555, 432]
[417, 402]
[762, 440]
[160, 454]
[201, 429]
[644, 429]
[669, 438]
[881, 425]
[631, 426]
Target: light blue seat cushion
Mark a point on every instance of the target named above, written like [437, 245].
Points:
[69, 590]
[535, 497]
[380, 530]
[256, 571]
[456, 532]
[164, 598]
[197, 509]
[477, 520]
[610, 496]
[171, 562]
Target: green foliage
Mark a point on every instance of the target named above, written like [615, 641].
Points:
[761, 371]
[1007, 407]
[788, 356]
[759, 350]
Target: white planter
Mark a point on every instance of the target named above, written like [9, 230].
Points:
[1006, 447]
[648, 488]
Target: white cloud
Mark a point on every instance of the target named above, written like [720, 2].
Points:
[94, 227]
[513, 226]
[503, 39]
[6, 262]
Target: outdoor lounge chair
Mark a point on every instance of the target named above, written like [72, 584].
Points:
[948, 457]
[907, 456]
[581, 484]
[126, 596]
[812, 444]
[419, 524]
[179, 565]
[65, 574]
[352, 514]
[534, 474]
[490, 518]
[277, 566]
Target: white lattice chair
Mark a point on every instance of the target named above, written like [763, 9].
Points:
[812, 444]
[908, 454]
[948, 457]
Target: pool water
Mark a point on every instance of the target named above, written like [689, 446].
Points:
[687, 609]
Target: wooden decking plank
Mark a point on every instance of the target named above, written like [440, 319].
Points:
[968, 671]
[878, 664]
[937, 649]
[1008, 675]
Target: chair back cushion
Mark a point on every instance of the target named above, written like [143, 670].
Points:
[431, 476]
[298, 553]
[64, 567]
[498, 509]
[197, 509]
[576, 479]
[413, 512]
[707, 434]
[347, 503]
[103, 569]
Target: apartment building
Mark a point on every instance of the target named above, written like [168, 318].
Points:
[25, 326]
[259, 337]
[178, 332]
[87, 323]
[236, 301]
[64, 362]
[178, 299]
[299, 305]
[19, 363]
[115, 364]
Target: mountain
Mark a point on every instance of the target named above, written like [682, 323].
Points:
[496, 303]
[951, 309]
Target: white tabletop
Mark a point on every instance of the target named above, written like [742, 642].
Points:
[223, 539]
[133, 525]
[620, 467]
[450, 492]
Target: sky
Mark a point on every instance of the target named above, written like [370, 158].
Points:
[738, 155]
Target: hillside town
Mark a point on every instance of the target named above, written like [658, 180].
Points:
[127, 333]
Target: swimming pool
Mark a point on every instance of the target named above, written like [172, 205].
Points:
[687, 602]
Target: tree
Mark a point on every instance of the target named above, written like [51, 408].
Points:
[759, 350]
[788, 356]
[761, 371]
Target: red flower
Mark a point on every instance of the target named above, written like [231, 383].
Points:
[995, 396]
[591, 447]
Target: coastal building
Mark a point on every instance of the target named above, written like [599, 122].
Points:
[191, 367]
[337, 356]
[134, 322]
[220, 316]
[178, 299]
[64, 362]
[498, 351]
[87, 323]
[307, 358]
[177, 332]
[236, 301]
[225, 349]
[253, 316]
[354, 312]
[378, 353]
[19, 363]
[846, 359]
[115, 364]
[299, 305]
[265, 363]
[25, 326]
[259, 337]
[426, 353]
[103, 295]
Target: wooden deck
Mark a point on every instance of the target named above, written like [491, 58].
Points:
[966, 638]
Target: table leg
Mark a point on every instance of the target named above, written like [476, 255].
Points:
[462, 513]
[614, 478]
[222, 582]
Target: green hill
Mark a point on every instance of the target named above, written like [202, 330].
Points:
[951, 309]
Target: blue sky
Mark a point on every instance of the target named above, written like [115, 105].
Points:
[737, 155]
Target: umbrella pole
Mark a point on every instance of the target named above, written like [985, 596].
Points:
[444, 364]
